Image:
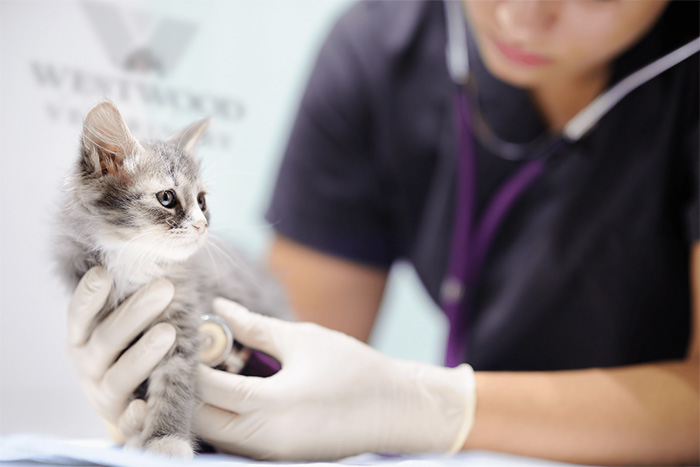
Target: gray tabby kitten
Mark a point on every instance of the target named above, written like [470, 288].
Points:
[139, 210]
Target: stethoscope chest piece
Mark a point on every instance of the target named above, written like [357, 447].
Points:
[216, 341]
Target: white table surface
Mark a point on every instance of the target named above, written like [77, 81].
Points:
[31, 449]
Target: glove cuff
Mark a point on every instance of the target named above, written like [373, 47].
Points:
[435, 410]
[470, 409]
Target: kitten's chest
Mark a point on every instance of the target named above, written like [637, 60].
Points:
[184, 309]
[131, 272]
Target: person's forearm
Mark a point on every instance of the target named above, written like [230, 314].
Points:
[646, 414]
[328, 290]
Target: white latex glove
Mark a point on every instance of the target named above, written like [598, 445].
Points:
[107, 378]
[334, 397]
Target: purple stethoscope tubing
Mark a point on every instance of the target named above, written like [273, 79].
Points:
[471, 239]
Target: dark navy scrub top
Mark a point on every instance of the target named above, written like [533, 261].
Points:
[589, 269]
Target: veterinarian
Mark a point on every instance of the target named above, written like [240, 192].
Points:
[545, 190]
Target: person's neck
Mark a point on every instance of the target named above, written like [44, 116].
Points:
[561, 100]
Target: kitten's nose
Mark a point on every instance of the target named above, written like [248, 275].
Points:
[200, 225]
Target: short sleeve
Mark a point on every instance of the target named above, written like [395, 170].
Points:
[329, 193]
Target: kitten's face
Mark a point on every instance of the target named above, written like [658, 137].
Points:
[145, 202]
[160, 209]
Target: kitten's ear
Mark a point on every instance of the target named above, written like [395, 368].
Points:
[107, 140]
[186, 139]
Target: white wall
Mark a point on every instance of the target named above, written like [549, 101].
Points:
[244, 62]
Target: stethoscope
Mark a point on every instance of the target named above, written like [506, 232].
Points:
[471, 238]
[218, 349]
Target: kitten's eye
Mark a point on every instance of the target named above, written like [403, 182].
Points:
[167, 198]
[202, 201]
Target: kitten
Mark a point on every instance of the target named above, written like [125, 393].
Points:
[139, 210]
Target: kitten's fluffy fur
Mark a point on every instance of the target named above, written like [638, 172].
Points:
[113, 217]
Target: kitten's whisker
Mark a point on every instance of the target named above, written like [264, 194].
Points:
[251, 226]
[145, 254]
[123, 248]
[207, 248]
[237, 263]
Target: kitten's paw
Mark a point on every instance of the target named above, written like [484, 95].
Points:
[134, 443]
[170, 446]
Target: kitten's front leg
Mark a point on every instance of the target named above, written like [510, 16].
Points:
[172, 398]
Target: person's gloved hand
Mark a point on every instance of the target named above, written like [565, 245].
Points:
[334, 397]
[107, 376]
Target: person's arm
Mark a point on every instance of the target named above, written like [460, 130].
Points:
[644, 414]
[328, 290]
[336, 397]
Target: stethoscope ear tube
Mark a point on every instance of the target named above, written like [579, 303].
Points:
[456, 50]
[584, 121]
[457, 58]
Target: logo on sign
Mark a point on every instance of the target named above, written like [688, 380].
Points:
[138, 42]
[143, 49]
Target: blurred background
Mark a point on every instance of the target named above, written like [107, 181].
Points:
[164, 64]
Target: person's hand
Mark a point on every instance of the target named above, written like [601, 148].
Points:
[334, 397]
[108, 374]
